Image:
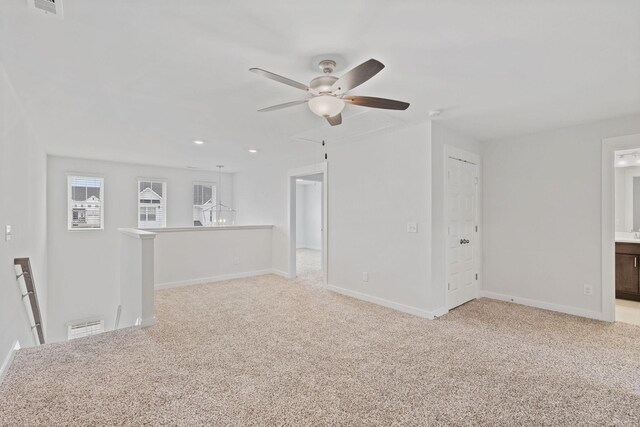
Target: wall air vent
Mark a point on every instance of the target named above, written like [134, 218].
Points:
[84, 328]
[47, 6]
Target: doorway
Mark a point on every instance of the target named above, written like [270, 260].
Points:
[626, 227]
[309, 227]
[462, 222]
[308, 224]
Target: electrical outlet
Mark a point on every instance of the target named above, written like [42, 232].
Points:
[236, 260]
[7, 233]
[412, 227]
[365, 276]
[588, 290]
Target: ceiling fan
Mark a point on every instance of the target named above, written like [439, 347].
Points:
[329, 92]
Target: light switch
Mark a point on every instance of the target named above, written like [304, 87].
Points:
[412, 227]
[7, 233]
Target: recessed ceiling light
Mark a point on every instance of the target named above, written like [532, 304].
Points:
[198, 142]
[253, 150]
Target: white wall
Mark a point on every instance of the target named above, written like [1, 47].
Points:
[309, 215]
[22, 191]
[377, 183]
[543, 219]
[260, 197]
[203, 256]
[84, 265]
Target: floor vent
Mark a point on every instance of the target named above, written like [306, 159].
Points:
[84, 329]
[47, 6]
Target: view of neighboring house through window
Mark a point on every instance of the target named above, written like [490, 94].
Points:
[85, 203]
[204, 203]
[152, 204]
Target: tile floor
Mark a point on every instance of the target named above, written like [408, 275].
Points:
[628, 311]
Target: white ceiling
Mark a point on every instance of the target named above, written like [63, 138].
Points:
[139, 80]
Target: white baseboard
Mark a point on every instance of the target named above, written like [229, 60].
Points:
[597, 315]
[280, 273]
[439, 312]
[383, 302]
[221, 278]
[145, 323]
[7, 361]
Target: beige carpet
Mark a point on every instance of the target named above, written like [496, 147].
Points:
[309, 265]
[272, 352]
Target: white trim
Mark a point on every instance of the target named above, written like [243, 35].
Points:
[216, 228]
[138, 234]
[145, 323]
[575, 311]
[281, 273]
[214, 191]
[608, 280]
[163, 204]
[70, 176]
[8, 359]
[386, 303]
[291, 190]
[439, 312]
[213, 279]
[454, 152]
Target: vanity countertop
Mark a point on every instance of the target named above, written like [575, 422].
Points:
[624, 237]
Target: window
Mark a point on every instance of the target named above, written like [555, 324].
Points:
[85, 203]
[204, 203]
[152, 203]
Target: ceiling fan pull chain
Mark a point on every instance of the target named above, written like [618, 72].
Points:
[325, 149]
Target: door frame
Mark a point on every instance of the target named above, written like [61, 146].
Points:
[460, 154]
[292, 175]
[608, 281]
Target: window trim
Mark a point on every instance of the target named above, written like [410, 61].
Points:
[70, 176]
[214, 188]
[165, 190]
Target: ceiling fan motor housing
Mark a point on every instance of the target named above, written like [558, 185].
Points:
[323, 84]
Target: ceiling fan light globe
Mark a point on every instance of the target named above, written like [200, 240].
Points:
[326, 105]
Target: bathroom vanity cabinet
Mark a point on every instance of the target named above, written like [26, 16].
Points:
[628, 271]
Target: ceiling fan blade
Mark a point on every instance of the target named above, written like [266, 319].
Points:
[372, 102]
[281, 106]
[279, 78]
[335, 120]
[357, 76]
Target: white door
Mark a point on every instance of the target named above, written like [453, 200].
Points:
[462, 247]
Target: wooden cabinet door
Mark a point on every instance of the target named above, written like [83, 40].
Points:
[627, 278]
